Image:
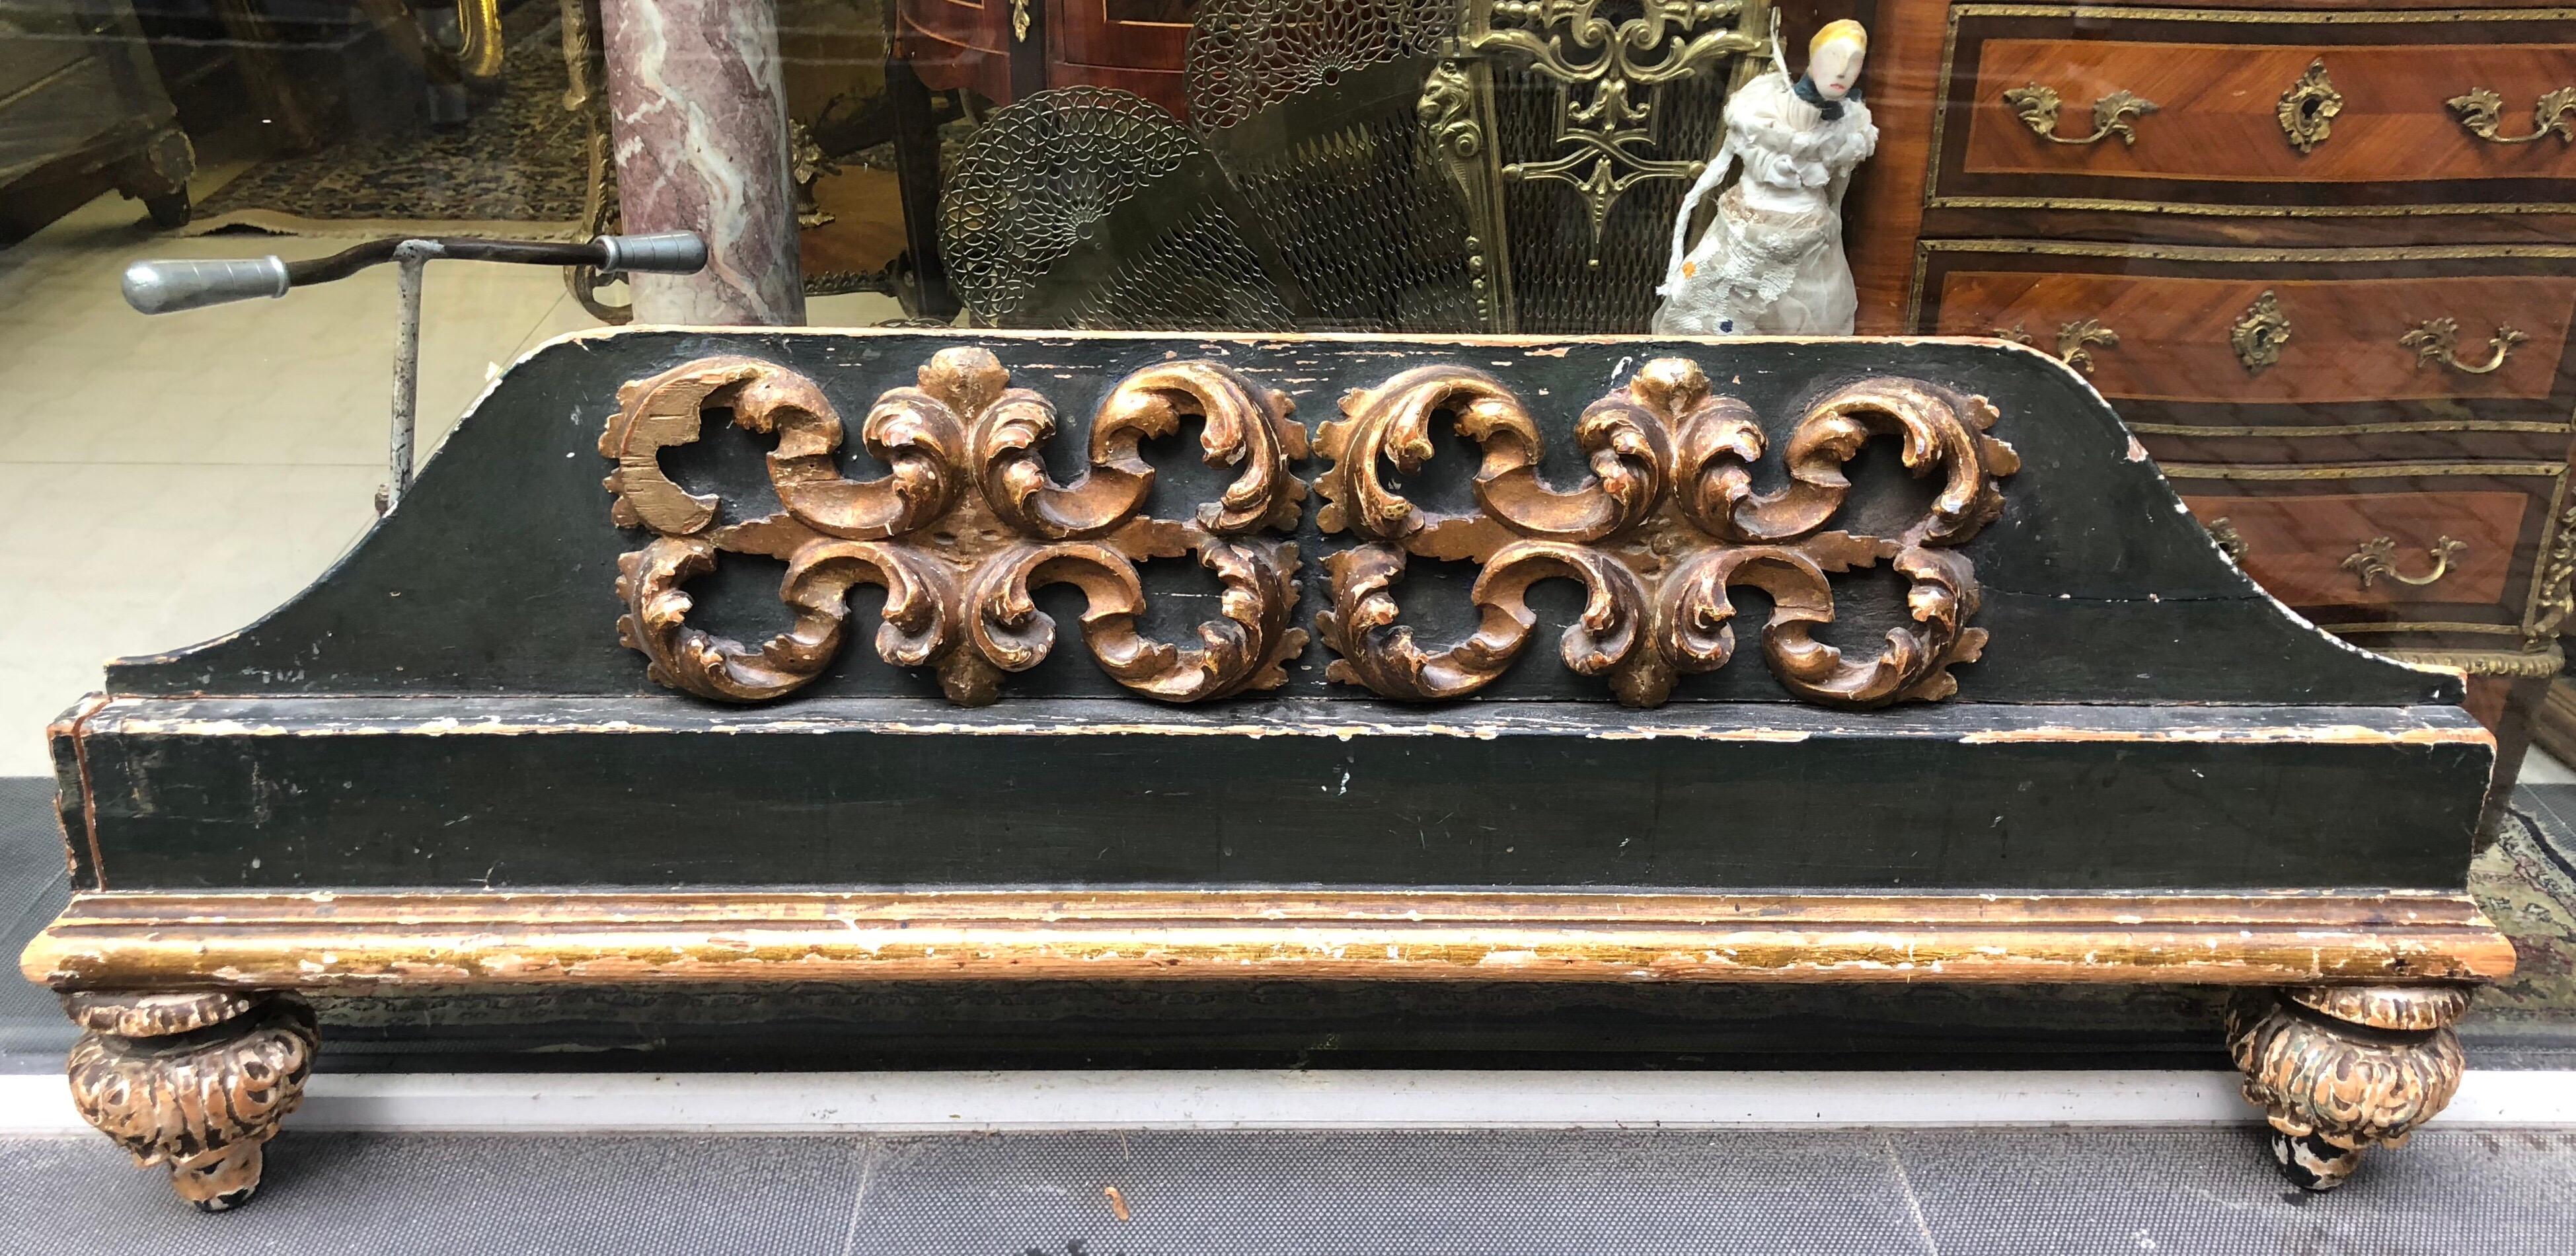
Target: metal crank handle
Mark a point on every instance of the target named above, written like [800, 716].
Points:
[169, 286]
[163, 287]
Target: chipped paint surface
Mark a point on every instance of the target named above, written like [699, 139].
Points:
[2318, 734]
[1713, 722]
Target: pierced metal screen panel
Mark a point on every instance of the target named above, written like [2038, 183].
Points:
[1199, 277]
[1037, 178]
[1373, 232]
[1246, 55]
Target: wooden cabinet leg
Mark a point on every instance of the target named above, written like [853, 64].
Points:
[2340, 1069]
[194, 1081]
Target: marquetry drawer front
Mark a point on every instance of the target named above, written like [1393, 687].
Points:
[2287, 112]
[2451, 548]
[958, 44]
[2231, 336]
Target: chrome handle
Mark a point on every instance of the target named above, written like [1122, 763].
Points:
[164, 287]
[2377, 557]
[2037, 105]
[2481, 108]
[2438, 340]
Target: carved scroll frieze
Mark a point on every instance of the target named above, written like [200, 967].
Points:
[1666, 524]
[966, 523]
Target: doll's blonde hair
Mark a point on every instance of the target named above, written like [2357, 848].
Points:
[1838, 30]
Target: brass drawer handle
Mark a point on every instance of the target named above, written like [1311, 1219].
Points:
[2481, 108]
[2438, 340]
[2038, 104]
[2074, 340]
[2378, 557]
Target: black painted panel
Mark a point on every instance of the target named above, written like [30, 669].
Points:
[516, 794]
[495, 576]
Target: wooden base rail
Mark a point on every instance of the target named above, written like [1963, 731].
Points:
[198, 1046]
[358, 941]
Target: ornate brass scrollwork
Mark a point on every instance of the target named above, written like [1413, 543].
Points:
[2074, 340]
[1019, 21]
[2481, 109]
[1666, 524]
[2258, 334]
[2037, 105]
[967, 523]
[2307, 111]
[1610, 69]
[2438, 340]
[2377, 557]
[1452, 112]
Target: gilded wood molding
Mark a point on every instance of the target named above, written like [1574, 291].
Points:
[363, 941]
[1665, 525]
[966, 523]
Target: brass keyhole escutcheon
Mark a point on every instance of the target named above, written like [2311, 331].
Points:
[2307, 111]
[2258, 334]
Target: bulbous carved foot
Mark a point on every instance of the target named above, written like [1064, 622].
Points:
[2340, 1069]
[194, 1081]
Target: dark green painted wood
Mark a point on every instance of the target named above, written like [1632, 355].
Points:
[449, 708]
[456, 794]
[495, 576]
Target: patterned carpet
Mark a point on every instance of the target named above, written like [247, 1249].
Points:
[515, 169]
[2528, 887]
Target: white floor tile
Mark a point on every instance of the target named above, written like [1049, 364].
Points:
[2539, 768]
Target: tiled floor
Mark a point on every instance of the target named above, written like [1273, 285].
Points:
[172, 478]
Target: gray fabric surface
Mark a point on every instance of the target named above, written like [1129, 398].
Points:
[33, 890]
[2058, 1192]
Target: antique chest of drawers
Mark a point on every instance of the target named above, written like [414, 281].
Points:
[2322, 260]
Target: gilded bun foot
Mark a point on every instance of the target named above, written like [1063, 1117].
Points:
[198, 1082]
[2338, 1070]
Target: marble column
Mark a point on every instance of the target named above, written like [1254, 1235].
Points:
[698, 117]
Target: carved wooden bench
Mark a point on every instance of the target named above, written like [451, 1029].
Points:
[2007, 716]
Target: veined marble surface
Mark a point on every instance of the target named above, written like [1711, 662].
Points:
[699, 121]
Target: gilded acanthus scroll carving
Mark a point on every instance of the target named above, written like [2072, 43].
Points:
[2338, 1070]
[195, 1081]
[967, 522]
[1667, 523]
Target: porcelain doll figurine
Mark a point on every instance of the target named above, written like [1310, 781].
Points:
[1771, 261]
